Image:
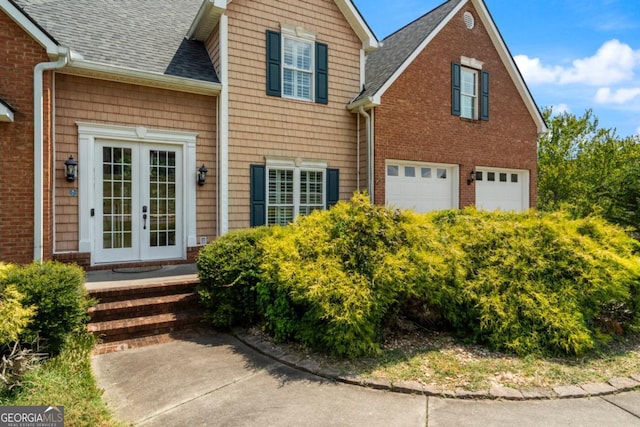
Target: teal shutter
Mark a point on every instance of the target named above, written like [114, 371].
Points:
[455, 89]
[258, 215]
[484, 99]
[333, 187]
[274, 87]
[322, 73]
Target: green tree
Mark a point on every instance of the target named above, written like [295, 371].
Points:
[589, 169]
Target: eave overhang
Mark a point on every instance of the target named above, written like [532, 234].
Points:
[6, 112]
[206, 19]
[144, 78]
[358, 24]
[21, 18]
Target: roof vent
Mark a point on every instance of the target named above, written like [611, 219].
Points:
[469, 20]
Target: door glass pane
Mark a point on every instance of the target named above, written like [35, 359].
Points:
[162, 190]
[116, 198]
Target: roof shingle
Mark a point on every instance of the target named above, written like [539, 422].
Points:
[398, 47]
[145, 35]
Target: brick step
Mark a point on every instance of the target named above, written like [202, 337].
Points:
[125, 293]
[140, 307]
[137, 327]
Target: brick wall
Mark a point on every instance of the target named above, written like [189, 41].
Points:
[261, 125]
[19, 54]
[101, 101]
[414, 121]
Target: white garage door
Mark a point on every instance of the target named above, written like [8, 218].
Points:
[420, 186]
[502, 189]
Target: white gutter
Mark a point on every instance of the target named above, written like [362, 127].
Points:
[38, 139]
[97, 70]
[369, 152]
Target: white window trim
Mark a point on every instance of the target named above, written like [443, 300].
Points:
[302, 35]
[471, 63]
[297, 166]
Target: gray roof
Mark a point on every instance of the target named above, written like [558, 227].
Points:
[398, 47]
[145, 35]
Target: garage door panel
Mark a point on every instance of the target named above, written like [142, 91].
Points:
[502, 189]
[421, 187]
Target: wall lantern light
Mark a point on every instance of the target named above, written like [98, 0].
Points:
[202, 174]
[71, 169]
[472, 177]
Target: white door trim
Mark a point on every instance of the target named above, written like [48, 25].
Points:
[88, 133]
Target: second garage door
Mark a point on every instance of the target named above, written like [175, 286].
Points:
[422, 187]
[502, 189]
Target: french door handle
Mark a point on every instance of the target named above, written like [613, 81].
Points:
[144, 217]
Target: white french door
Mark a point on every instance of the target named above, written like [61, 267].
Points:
[138, 202]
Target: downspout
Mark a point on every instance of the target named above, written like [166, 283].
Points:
[38, 140]
[358, 155]
[369, 152]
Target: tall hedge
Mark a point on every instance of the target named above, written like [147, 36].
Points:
[524, 283]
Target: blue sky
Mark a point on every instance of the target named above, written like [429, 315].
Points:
[573, 54]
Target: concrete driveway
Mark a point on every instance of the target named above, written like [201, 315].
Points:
[215, 380]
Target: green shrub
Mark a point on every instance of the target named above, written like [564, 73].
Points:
[14, 317]
[535, 283]
[57, 292]
[229, 269]
[333, 277]
[523, 283]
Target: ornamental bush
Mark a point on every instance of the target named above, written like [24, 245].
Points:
[229, 270]
[534, 283]
[59, 297]
[523, 283]
[14, 316]
[333, 277]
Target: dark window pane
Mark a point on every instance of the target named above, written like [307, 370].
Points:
[503, 177]
[491, 176]
[514, 177]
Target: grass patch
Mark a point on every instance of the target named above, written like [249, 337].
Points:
[66, 380]
[439, 360]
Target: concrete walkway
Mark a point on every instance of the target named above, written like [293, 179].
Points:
[216, 380]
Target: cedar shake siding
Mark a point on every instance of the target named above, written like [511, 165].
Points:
[415, 121]
[19, 54]
[262, 125]
[80, 99]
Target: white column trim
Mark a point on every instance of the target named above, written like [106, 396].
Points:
[223, 126]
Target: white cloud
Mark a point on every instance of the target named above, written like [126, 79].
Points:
[619, 96]
[560, 109]
[534, 72]
[613, 63]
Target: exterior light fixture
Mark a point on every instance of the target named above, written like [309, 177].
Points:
[71, 169]
[202, 174]
[472, 177]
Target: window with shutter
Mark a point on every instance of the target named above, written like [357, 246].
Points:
[297, 67]
[282, 190]
[469, 92]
